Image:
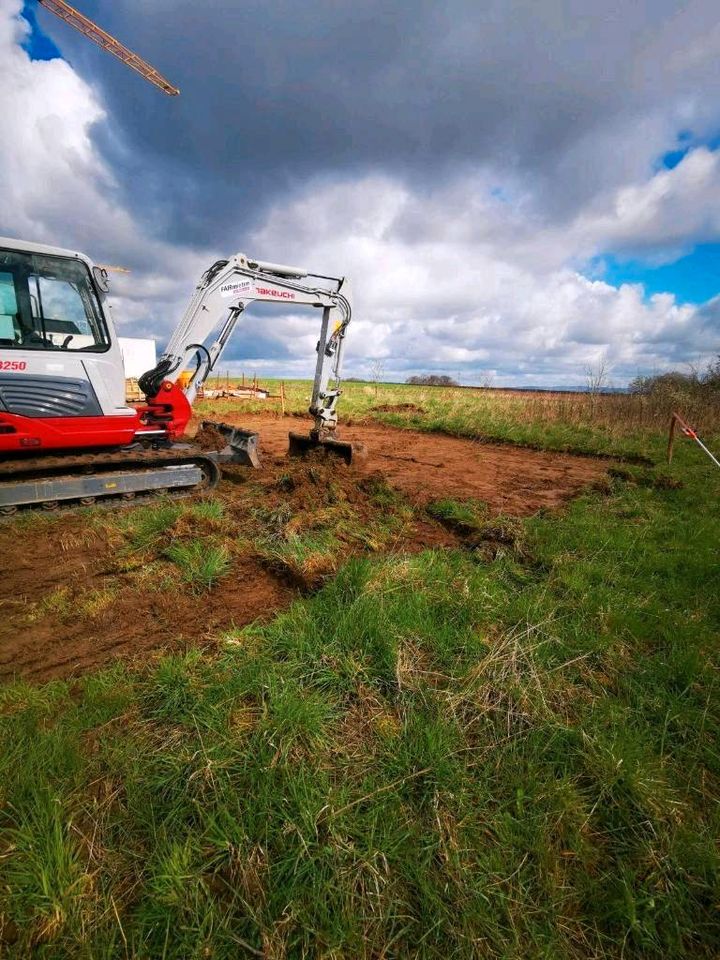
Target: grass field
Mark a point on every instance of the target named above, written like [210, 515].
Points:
[458, 753]
[622, 425]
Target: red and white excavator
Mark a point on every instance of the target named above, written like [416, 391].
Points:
[66, 431]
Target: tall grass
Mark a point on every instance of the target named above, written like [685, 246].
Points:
[617, 412]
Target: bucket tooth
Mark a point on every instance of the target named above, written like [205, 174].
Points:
[301, 444]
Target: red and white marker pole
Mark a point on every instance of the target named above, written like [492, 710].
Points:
[689, 432]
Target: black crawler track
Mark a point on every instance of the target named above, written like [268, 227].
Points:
[134, 461]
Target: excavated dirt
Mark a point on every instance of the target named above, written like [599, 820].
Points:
[431, 466]
[209, 438]
[69, 604]
[59, 643]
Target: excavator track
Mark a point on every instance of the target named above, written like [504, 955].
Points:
[84, 479]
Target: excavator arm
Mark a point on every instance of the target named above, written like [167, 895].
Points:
[224, 292]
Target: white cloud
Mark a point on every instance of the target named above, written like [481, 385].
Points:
[667, 212]
[57, 189]
[468, 276]
[455, 296]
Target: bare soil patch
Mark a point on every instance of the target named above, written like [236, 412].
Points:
[431, 466]
[70, 600]
[66, 637]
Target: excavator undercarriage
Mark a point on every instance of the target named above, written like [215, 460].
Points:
[137, 471]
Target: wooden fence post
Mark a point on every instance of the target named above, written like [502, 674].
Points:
[671, 438]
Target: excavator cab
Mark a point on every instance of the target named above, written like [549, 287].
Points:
[62, 380]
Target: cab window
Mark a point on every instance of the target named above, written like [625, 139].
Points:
[8, 309]
[48, 303]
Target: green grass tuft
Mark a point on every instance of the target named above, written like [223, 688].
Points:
[306, 557]
[201, 564]
[465, 515]
[147, 525]
[208, 510]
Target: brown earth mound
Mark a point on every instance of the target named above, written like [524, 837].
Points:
[208, 437]
[77, 591]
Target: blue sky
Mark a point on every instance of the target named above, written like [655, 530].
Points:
[384, 141]
[693, 275]
[38, 44]
[693, 278]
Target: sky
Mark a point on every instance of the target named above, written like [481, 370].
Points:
[520, 192]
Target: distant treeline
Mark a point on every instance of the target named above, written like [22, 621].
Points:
[432, 380]
[698, 383]
[677, 383]
[448, 382]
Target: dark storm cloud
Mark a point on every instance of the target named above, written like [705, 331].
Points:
[275, 93]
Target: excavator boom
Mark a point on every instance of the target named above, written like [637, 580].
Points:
[224, 292]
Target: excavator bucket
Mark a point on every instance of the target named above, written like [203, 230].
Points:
[241, 445]
[301, 444]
